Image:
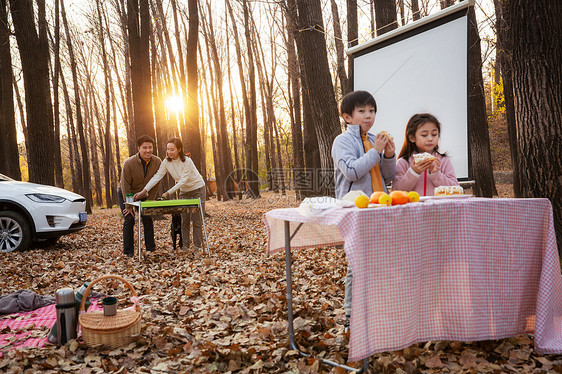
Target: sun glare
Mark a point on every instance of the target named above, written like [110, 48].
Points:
[174, 103]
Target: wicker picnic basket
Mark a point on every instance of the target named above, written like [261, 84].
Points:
[114, 331]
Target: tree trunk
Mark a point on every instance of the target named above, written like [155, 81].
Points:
[34, 59]
[90, 128]
[249, 115]
[192, 120]
[537, 88]
[138, 21]
[9, 156]
[86, 189]
[317, 84]
[252, 161]
[293, 72]
[77, 174]
[352, 37]
[340, 58]
[59, 182]
[107, 140]
[446, 3]
[402, 12]
[129, 121]
[504, 47]
[385, 15]
[480, 157]
[222, 133]
[238, 171]
[415, 10]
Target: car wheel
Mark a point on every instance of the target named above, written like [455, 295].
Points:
[15, 233]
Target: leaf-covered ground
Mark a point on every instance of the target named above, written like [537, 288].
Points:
[227, 313]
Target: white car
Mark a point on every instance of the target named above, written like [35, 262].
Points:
[35, 212]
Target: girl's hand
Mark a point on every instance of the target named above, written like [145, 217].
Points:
[140, 195]
[435, 166]
[166, 195]
[380, 142]
[420, 167]
[389, 149]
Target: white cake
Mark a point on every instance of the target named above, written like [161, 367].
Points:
[420, 157]
[448, 190]
[387, 134]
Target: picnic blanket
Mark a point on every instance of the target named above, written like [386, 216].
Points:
[30, 329]
[27, 329]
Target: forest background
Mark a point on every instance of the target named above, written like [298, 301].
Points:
[252, 88]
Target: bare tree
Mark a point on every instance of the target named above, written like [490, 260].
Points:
[480, 156]
[293, 72]
[138, 22]
[9, 157]
[537, 92]
[222, 134]
[415, 10]
[385, 15]
[106, 77]
[56, 113]
[352, 35]
[317, 82]
[345, 87]
[86, 190]
[120, 8]
[35, 59]
[503, 66]
[192, 119]
[446, 3]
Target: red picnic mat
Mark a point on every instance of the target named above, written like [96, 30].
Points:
[29, 329]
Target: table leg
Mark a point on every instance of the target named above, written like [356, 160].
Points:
[204, 228]
[139, 228]
[288, 275]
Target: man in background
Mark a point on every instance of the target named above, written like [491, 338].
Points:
[137, 171]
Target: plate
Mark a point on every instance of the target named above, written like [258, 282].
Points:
[424, 198]
[83, 217]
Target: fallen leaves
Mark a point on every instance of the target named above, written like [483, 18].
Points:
[227, 313]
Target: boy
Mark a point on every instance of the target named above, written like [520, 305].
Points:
[362, 161]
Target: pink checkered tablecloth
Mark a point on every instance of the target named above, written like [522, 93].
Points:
[445, 269]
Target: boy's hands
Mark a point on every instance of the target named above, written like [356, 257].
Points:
[384, 142]
[380, 142]
[389, 149]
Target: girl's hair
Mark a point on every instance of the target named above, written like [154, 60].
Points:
[179, 145]
[417, 120]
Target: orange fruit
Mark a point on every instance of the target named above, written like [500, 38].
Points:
[375, 197]
[362, 201]
[385, 199]
[399, 197]
[413, 197]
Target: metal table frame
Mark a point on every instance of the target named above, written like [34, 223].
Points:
[169, 204]
[292, 344]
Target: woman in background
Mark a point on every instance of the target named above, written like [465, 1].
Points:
[189, 183]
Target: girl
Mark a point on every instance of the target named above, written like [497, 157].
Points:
[422, 135]
[190, 185]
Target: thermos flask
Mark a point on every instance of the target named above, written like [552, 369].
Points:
[66, 315]
[52, 337]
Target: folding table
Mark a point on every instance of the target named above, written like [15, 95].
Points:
[168, 207]
[462, 269]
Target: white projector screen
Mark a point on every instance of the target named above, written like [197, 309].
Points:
[422, 69]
